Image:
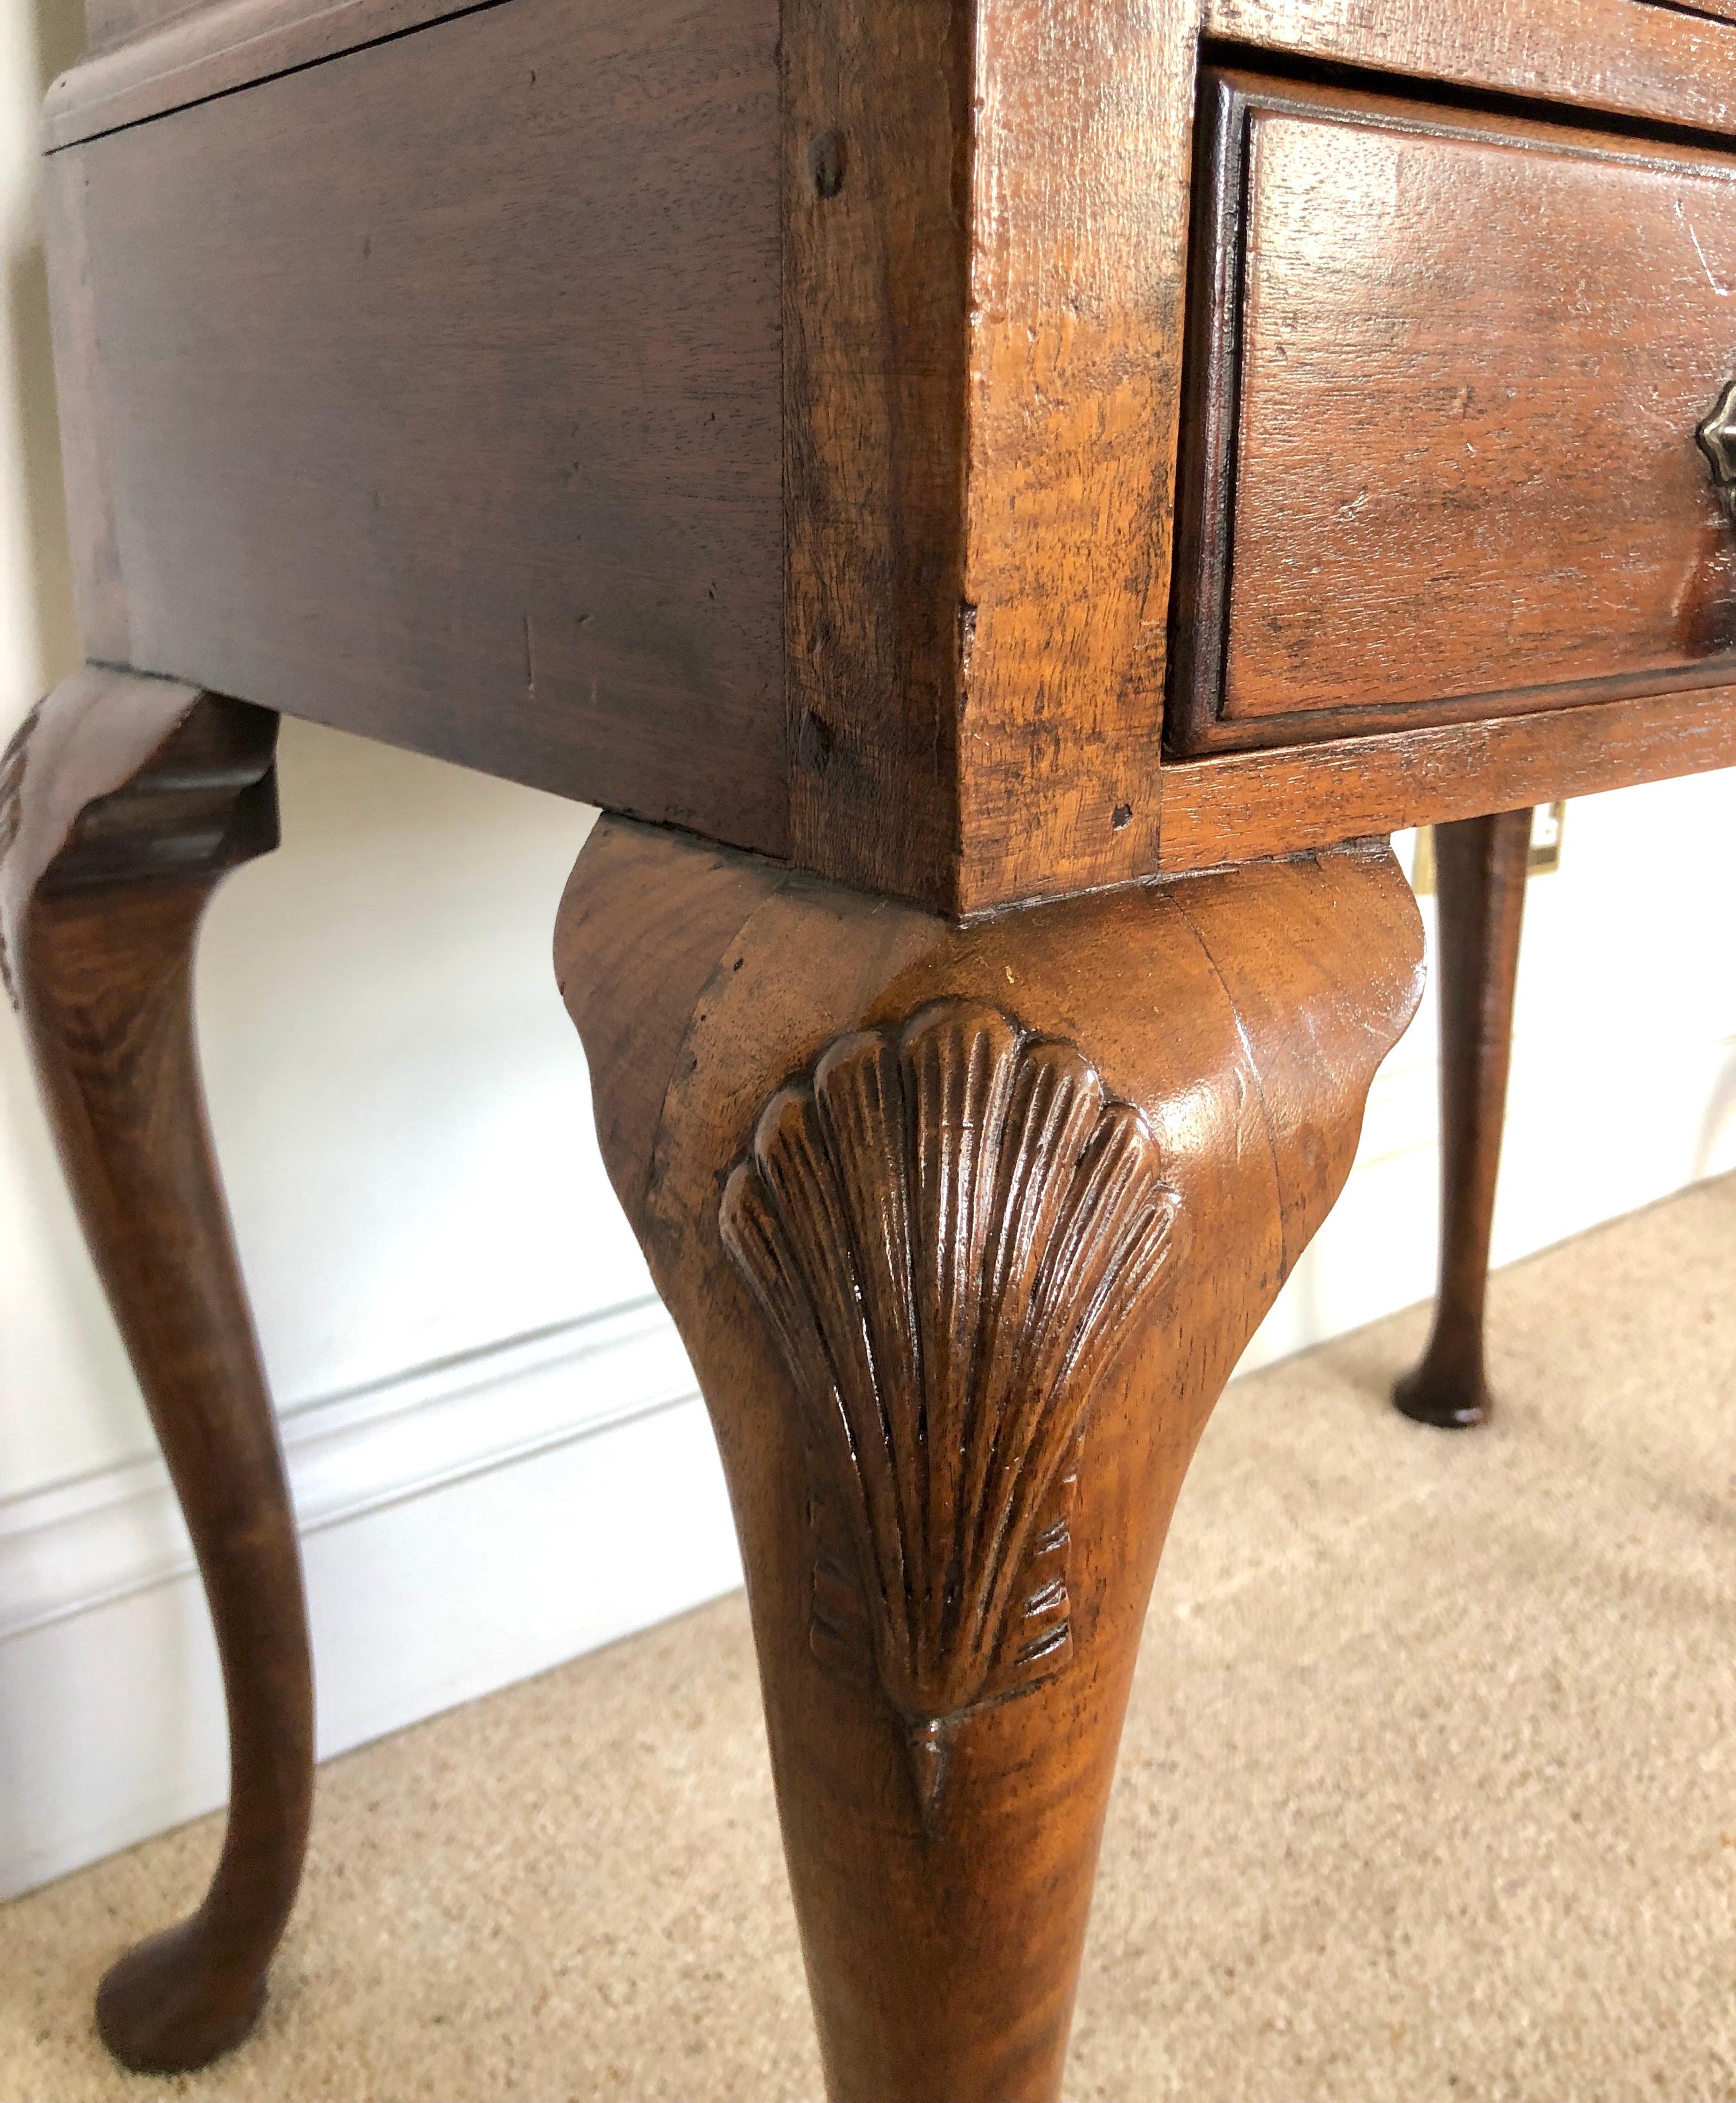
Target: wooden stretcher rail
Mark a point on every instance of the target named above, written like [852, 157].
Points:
[1236, 805]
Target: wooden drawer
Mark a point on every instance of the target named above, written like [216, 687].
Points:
[1445, 370]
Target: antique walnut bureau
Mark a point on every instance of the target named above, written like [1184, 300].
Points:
[1007, 504]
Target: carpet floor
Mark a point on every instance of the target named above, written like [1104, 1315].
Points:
[1428, 1788]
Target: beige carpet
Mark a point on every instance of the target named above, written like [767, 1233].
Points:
[1429, 1788]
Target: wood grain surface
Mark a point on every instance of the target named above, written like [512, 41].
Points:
[1618, 55]
[1239, 804]
[1481, 870]
[985, 231]
[1084, 114]
[1670, 63]
[442, 402]
[124, 801]
[1445, 463]
[1717, 11]
[855, 1094]
[775, 438]
[876, 136]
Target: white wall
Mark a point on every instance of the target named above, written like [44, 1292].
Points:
[491, 1432]
[1623, 1083]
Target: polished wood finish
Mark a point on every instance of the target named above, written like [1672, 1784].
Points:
[1481, 866]
[863, 618]
[1220, 809]
[762, 418]
[1623, 57]
[124, 801]
[437, 389]
[152, 57]
[963, 1248]
[980, 217]
[1083, 125]
[831, 518]
[876, 283]
[1424, 329]
[1718, 10]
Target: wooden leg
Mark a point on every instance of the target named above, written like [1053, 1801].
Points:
[122, 802]
[964, 1229]
[1480, 876]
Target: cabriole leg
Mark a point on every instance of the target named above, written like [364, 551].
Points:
[1480, 879]
[123, 803]
[964, 1229]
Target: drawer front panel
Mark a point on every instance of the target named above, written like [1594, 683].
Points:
[1446, 370]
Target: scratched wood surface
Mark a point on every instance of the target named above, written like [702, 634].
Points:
[1233, 804]
[984, 237]
[1446, 466]
[439, 399]
[1084, 121]
[876, 236]
[1621, 56]
[790, 458]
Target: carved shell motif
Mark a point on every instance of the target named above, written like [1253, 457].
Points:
[949, 1226]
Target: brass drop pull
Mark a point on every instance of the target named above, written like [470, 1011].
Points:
[1717, 437]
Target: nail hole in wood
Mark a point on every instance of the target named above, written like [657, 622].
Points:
[814, 743]
[826, 161]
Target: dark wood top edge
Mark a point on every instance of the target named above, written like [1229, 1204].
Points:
[1679, 72]
[1661, 63]
[213, 52]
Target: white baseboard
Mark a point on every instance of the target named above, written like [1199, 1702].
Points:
[464, 1525]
